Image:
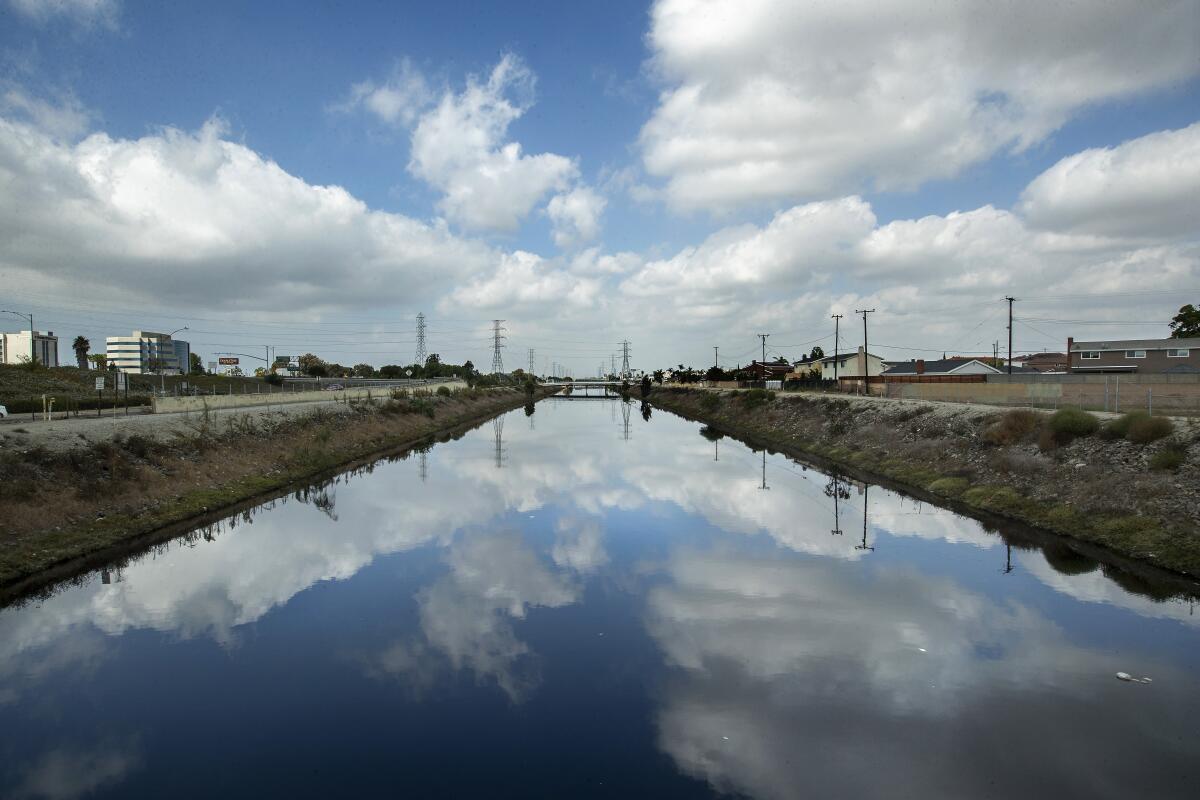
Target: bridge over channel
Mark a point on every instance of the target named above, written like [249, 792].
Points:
[587, 388]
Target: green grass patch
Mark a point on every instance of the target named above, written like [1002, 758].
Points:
[949, 487]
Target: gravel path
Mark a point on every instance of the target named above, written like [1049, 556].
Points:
[64, 434]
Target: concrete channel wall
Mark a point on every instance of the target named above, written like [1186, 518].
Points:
[1167, 394]
[215, 402]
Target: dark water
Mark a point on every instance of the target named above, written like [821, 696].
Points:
[589, 604]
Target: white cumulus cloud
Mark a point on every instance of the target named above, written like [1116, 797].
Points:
[1145, 187]
[460, 147]
[576, 215]
[773, 99]
[193, 215]
[396, 100]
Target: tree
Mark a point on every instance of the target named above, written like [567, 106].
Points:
[817, 353]
[236, 372]
[646, 390]
[364, 371]
[312, 366]
[1186, 323]
[195, 365]
[260, 372]
[658, 376]
[81, 346]
[100, 360]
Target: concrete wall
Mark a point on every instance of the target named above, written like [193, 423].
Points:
[172, 405]
[1176, 394]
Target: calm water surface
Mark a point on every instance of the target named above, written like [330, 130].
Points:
[586, 603]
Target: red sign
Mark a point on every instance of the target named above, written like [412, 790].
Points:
[226, 361]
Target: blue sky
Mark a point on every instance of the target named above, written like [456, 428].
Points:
[719, 169]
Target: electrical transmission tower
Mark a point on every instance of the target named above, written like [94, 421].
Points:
[424, 467]
[497, 343]
[421, 354]
[531, 370]
[625, 359]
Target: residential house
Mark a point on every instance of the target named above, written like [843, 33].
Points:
[1154, 356]
[946, 369]
[1044, 362]
[851, 365]
[770, 370]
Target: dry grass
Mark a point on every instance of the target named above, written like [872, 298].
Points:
[1013, 427]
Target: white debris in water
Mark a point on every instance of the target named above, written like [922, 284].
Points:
[1125, 676]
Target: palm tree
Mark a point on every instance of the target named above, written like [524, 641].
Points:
[81, 347]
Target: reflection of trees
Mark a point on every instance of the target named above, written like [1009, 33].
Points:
[838, 490]
[646, 411]
[320, 497]
[1067, 560]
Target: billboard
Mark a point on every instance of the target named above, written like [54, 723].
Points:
[227, 361]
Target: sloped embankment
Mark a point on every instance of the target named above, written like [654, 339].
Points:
[60, 508]
[1129, 485]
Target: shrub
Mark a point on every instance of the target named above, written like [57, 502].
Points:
[1119, 427]
[1068, 423]
[1013, 427]
[443, 391]
[757, 397]
[1149, 429]
[1170, 457]
[709, 401]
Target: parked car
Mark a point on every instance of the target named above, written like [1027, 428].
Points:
[3, 412]
[334, 387]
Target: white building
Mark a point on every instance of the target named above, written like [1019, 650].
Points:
[146, 352]
[14, 348]
[851, 365]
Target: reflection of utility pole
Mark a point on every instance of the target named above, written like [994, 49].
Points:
[424, 467]
[764, 471]
[863, 546]
[838, 492]
[716, 449]
[1008, 567]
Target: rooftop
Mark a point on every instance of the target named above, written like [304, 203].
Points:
[1137, 344]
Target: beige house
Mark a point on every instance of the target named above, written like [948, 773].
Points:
[851, 365]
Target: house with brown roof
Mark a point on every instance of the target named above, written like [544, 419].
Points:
[1142, 356]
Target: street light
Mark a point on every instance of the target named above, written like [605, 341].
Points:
[162, 375]
[29, 317]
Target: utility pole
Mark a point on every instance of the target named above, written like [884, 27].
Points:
[837, 320]
[1010, 302]
[764, 336]
[716, 360]
[497, 340]
[421, 354]
[866, 350]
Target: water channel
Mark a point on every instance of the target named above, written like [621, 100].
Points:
[594, 600]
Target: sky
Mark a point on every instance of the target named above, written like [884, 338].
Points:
[680, 174]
